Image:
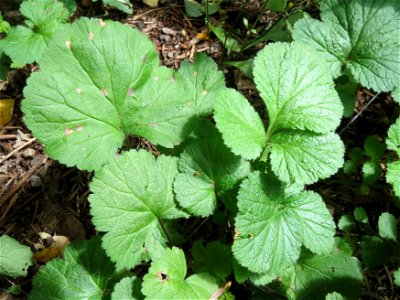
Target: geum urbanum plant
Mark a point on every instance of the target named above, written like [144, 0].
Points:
[100, 82]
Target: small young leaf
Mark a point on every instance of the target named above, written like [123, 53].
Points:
[374, 148]
[215, 259]
[314, 276]
[296, 88]
[207, 167]
[374, 250]
[203, 79]
[371, 171]
[346, 223]
[15, 259]
[387, 226]
[240, 125]
[273, 227]
[128, 288]
[166, 279]
[360, 35]
[131, 208]
[360, 215]
[305, 157]
[26, 44]
[84, 273]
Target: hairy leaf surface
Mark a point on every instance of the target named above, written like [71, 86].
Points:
[128, 288]
[273, 227]
[131, 196]
[82, 274]
[203, 80]
[166, 279]
[240, 125]
[301, 156]
[296, 88]
[207, 168]
[361, 35]
[314, 276]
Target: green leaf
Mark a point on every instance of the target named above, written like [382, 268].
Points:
[84, 273]
[240, 125]
[347, 89]
[215, 259]
[361, 36]
[393, 175]
[15, 259]
[316, 275]
[374, 148]
[226, 38]
[271, 227]
[26, 44]
[130, 209]
[396, 94]
[397, 277]
[196, 9]
[166, 279]
[360, 215]
[374, 250]
[346, 223]
[74, 104]
[393, 139]
[4, 25]
[334, 296]
[70, 5]
[203, 80]
[207, 168]
[246, 66]
[304, 157]
[123, 5]
[387, 226]
[276, 5]
[296, 88]
[371, 171]
[127, 288]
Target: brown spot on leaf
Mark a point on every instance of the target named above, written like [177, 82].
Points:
[91, 36]
[68, 131]
[105, 92]
[79, 127]
[102, 23]
[162, 276]
[68, 44]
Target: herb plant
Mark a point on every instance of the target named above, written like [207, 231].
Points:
[26, 43]
[101, 82]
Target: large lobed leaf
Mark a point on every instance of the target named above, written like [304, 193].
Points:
[132, 195]
[101, 81]
[26, 44]
[361, 35]
[166, 279]
[303, 109]
[272, 227]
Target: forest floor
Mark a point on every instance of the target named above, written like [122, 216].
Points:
[38, 194]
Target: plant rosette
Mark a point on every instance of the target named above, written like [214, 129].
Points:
[6, 110]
